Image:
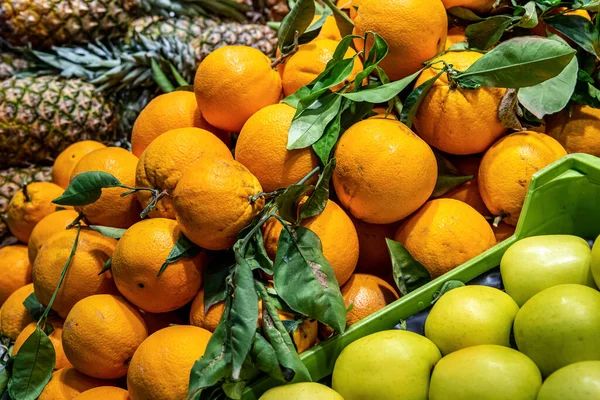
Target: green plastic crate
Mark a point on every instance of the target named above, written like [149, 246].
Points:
[562, 198]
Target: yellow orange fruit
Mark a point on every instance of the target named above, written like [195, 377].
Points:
[67, 383]
[503, 231]
[82, 278]
[468, 193]
[234, 82]
[160, 166]
[373, 256]
[366, 294]
[16, 270]
[69, 157]
[138, 258]
[14, 317]
[160, 368]
[305, 336]
[29, 205]
[55, 338]
[507, 168]
[445, 233]
[100, 335]
[261, 147]
[456, 34]
[48, 226]
[382, 113]
[104, 393]
[329, 29]
[457, 120]
[479, 6]
[212, 202]
[384, 171]
[576, 130]
[111, 209]
[415, 31]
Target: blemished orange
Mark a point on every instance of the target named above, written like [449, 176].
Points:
[166, 112]
[82, 278]
[329, 29]
[576, 129]
[29, 205]
[160, 166]
[338, 239]
[55, 338]
[503, 231]
[507, 168]
[309, 61]
[100, 335]
[234, 82]
[261, 147]
[456, 34]
[111, 209]
[479, 6]
[14, 317]
[445, 233]
[415, 31]
[160, 367]
[104, 393]
[68, 158]
[48, 226]
[16, 270]
[67, 383]
[373, 256]
[384, 171]
[212, 202]
[366, 294]
[455, 120]
[138, 258]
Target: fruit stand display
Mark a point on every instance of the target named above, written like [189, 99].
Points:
[300, 200]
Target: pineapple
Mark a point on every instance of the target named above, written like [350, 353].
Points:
[11, 63]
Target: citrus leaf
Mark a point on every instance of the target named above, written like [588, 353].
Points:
[294, 98]
[486, 33]
[446, 287]
[378, 51]
[530, 18]
[4, 377]
[579, 30]
[108, 231]
[312, 31]
[86, 188]
[184, 248]
[234, 390]
[382, 93]
[106, 267]
[324, 146]
[409, 274]
[215, 274]
[297, 20]
[287, 203]
[35, 308]
[257, 256]
[414, 100]
[465, 14]
[309, 126]
[317, 201]
[344, 24]
[264, 357]
[509, 110]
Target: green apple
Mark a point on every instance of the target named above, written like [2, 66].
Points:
[486, 372]
[470, 316]
[596, 261]
[386, 365]
[579, 381]
[560, 326]
[539, 262]
[302, 391]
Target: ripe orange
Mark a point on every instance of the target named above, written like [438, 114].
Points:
[14, 317]
[576, 130]
[503, 231]
[212, 202]
[29, 205]
[139, 256]
[16, 270]
[82, 278]
[479, 6]
[104, 393]
[366, 294]
[350, 5]
[329, 30]
[261, 147]
[415, 31]
[456, 120]
[338, 238]
[160, 367]
[445, 233]
[68, 158]
[111, 209]
[55, 337]
[384, 171]
[383, 114]
[468, 192]
[48, 226]
[456, 34]
[160, 166]
[373, 256]
[507, 167]
[67, 383]
[234, 82]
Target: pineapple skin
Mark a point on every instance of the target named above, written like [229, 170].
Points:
[11, 63]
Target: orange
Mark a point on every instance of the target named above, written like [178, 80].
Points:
[350, 5]
[507, 167]
[16, 270]
[82, 278]
[415, 31]
[209, 320]
[479, 6]
[384, 171]
[156, 322]
[29, 205]
[373, 256]
[329, 29]
[383, 114]
[104, 393]
[456, 34]
[67, 383]
[234, 82]
[69, 157]
[138, 258]
[366, 294]
[261, 147]
[100, 335]
[55, 337]
[468, 193]
[165, 112]
[48, 226]
[576, 130]
[212, 202]
[456, 120]
[160, 368]
[445, 233]
[160, 166]
[111, 209]
[14, 317]
[305, 336]
[338, 238]
[310, 60]
[503, 231]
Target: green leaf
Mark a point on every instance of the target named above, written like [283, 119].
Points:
[324, 146]
[106, 267]
[465, 14]
[446, 287]
[345, 24]
[305, 280]
[309, 126]
[257, 256]
[234, 390]
[32, 368]
[4, 377]
[590, 5]
[317, 201]
[294, 98]
[519, 62]
[382, 93]
[409, 274]
[488, 32]
[312, 31]
[215, 275]
[291, 325]
[35, 308]
[579, 30]
[264, 357]
[184, 248]
[415, 98]
[114, 233]
[336, 75]
[185, 88]
[288, 202]
[530, 18]
[378, 51]
[297, 20]
[178, 78]
[448, 176]
[161, 78]
[86, 188]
